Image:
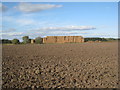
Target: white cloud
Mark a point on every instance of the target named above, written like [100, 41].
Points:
[105, 34]
[64, 31]
[8, 19]
[35, 28]
[25, 21]
[20, 22]
[68, 28]
[28, 7]
[9, 30]
[101, 34]
[12, 34]
[3, 8]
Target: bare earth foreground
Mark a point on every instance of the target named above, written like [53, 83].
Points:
[73, 65]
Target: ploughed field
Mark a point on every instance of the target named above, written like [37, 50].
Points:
[71, 65]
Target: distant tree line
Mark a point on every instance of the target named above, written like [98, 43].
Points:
[39, 40]
[26, 40]
[5, 41]
[99, 39]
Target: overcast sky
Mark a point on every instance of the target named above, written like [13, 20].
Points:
[87, 19]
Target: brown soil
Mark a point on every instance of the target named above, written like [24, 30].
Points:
[75, 65]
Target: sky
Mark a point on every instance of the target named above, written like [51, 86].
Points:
[34, 19]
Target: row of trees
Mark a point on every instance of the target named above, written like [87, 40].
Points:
[39, 40]
[95, 39]
[6, 41]
[99, 39]
[25, 39]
